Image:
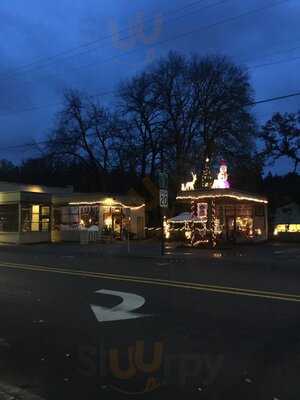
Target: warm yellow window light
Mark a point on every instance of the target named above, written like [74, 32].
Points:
[108, 221]
[108, 201]
[295, 228]
[35, 219]
[188, 234]
[287, 228]
[166, 226]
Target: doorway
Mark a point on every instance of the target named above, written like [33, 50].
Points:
[230, 228]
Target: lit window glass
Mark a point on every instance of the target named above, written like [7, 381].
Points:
[35, 219]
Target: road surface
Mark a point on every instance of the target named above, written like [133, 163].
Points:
[215, 327]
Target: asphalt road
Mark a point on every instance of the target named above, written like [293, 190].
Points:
[207, 325]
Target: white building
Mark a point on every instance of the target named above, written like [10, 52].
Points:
[287, 221]
[34, 213]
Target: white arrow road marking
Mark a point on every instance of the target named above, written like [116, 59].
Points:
[130, 302]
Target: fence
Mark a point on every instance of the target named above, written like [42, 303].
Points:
[87, 236]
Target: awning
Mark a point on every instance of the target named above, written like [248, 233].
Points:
[182, 218]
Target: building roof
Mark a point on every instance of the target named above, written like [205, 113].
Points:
[24, 187]
[108, 199]
[220, 193]
[182, 217]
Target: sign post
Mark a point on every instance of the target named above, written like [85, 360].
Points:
[163, 203]
[128, 216]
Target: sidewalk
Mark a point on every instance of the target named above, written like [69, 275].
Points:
[137, 249]
[151, 249]
[8, 392]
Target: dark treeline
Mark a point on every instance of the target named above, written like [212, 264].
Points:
[170, 117]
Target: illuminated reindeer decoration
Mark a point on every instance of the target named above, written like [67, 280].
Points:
[189, 185]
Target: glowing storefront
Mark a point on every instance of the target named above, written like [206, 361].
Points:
[287, 222]
[33, 214]
[218, 213]
[113, 215]
[26, 212]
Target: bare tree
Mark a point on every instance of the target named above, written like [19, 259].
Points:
[138, 105]
[84, 131]
[171, 116]
[281, 137]
[205, 105]
[221, 95]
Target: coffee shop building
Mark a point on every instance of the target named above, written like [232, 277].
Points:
[238, 216]
[218, 213]
[35, 214]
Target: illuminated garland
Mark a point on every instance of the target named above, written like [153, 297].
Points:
[206, 179]
[213, 222]
[215, 196]
[103, 203]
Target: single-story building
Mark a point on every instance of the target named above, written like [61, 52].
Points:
[287, 222]
[218, 213]
[237, 215]
[33, 214]
[100, 212]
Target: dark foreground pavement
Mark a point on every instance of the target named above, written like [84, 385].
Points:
[210, 326]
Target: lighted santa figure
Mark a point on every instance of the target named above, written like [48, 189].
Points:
[222, 181]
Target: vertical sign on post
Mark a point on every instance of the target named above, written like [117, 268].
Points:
[163, 198]
[163, 203]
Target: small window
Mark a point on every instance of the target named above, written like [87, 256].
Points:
[45, 218]
[35, 218]
[9, 217]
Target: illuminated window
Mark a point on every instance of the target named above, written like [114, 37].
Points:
[245, 225]
[107, 219]
[294, 228]
[281, 228]
[89, 215]
[45, 218]
[287, 228]
[35, 218]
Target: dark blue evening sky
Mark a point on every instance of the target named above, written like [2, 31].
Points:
[34, 31]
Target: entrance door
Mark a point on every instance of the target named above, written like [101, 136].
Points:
[230, 228]
[117, 225]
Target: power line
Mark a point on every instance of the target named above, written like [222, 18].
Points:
[287, 96]
[114, 92]
[184, 34]
[254, 103]
[275, 62]
[35, 108]
[270, 5]
[50, 59]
